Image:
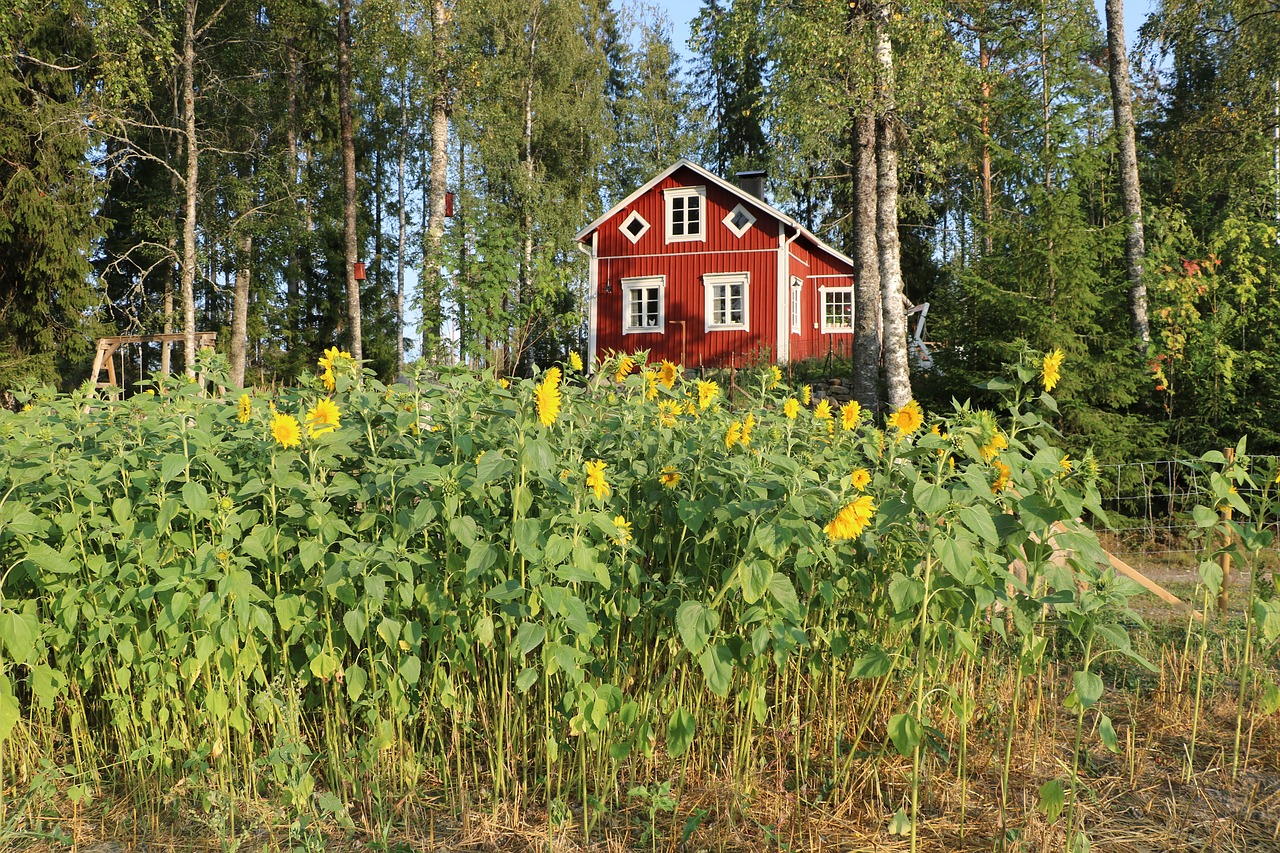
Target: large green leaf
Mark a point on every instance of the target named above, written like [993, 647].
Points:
[717, 668]
[680, 731]
[1088, 688]
[905, 732]
[18, 633]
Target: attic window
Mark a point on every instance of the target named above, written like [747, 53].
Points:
[739, 220]
[685, 207]
[634, 226]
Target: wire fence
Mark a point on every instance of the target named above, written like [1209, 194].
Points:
[1150, 505]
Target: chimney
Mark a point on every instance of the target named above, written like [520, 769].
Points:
[753, 182]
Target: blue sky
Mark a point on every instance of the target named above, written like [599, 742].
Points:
[682, 12]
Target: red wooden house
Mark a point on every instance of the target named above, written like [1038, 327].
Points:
[702, 272]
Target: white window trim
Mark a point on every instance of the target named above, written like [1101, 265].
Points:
[710, 281]
[797, 305]
[822, 311]
[644, 283]
[635, 215]
[699, 193]
[728, 220]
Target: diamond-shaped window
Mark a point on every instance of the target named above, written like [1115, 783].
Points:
[634, 226]
[739, 220]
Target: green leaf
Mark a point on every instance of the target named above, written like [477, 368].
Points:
[492, 466]
[1270, 700]
[526, 679]
[10, 713]
[978, 520]
[18, 632]
[410, 669]
[1107, 732]
[692, 626]
[355, 621]
[508, 590]
[930, 498]
[528, 534]
[755, 579]
[905, 732]
[783, 592]
[873, 664]
[900, 824]
[1052, 800]
[171, 466]
[1203, 516]
[530, 635]
[1088, 688]
[324, 665]
[356, 679]
[196, 498]
[680, 730]
[905, 592]
[717, 668]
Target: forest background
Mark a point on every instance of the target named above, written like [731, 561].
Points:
[245, 154]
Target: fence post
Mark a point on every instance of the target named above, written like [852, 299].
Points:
[1224, 560]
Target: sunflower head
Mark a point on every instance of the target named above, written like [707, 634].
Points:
[850, 414]
[285, 430]
[823, 411]
[595, 478]
[669, 477]
[323, 417]
[791, 408]
[859, 478]
[245, 409]
[546, 395]
[1050, 369]
[575, 361]
[626, 364]
[668, 373]
[908, 419]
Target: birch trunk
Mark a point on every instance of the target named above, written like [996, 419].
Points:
[403, 245]
[866, 291]
[238, 348]
[432, 285]
[348, 177]
[190, 187]
[897, 374]
[1130, 189]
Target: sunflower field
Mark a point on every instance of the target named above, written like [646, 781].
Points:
[580, 606]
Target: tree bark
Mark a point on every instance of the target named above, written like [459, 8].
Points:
[401, 203]
[431, 283]
[866, 291]
[988, 212]
[896, 370]
[1130, 189]
[240, 310]
[190, 186]
[348, 177]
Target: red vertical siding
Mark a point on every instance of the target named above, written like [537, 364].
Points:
[822, 270]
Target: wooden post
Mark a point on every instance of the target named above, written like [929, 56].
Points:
[1224, 560]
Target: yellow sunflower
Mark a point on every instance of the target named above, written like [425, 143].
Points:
[1049, 369]
[626, 364]
[850, 414]
[998, 442]
[668, 373]
[747, 425]
[708, 390]
[823, 411]
[575, 361]
[285, 430]
[624, 530]
[245, 409]
[733, 435]
[791, 408]
[595, 479]
[806, 394]
[323, 417]
[775, 376]
[907, 419]
[669, 477]
[546, 394]
[852, 520]
[859, 478]
[1002, 476]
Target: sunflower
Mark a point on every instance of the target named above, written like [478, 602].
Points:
[668, 411]
[323, 417]
[852, 520]
[624, 530]
[626, 364]
[1002, 476]
[595, 479]
[668, 373]
[651, 384]
[285, 430]
[733, 435]
[245, 409]
[775, 376]
[504, 383]
[998, 442]
[859, 478]
[708, 390]
[823, 411]
[546, 395]
[669, 477]
[850, 414]
[575, 361]
[747, 425]
[791, 408]
[1049, 369]
[907, 419]
[806, 394]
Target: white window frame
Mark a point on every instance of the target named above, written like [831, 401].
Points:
[640, 283]
[699, 193]
[634, 217]
[824, 292]
[711, 282]
[797, 305]
[728, 220]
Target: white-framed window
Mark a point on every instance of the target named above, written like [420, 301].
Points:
[739, 220]
[634, 226]
[837, 310]
[643, 304]
[686, 212]
[797, 304]
[727, 300]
